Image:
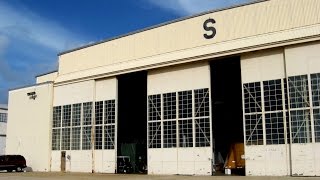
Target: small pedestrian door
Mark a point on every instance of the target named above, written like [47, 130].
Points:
[63, 161]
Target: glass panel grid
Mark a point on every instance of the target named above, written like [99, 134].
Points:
[99, 112]
[109, 117]
[154, 107]
[86, 138]
[169, 134]
[299, 91]
[56, 116]
[275, 128]
[169, 106]
[65, 139]
[76, 138]
[185, 104]
[202, 103]
[55, 139]
[66, 116]
[3, 117]
[315, 87]
[109, 131]
[202, 132]
[98, 137]
[252, 97]
[154, 134]
[273, 95]
[76, 114]
[87, 113]
[316, 115]
[300, 126]
[254, 129]
[185, 133]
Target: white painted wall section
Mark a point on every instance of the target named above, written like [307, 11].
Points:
[29, 125]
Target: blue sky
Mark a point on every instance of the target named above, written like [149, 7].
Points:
[32, 32]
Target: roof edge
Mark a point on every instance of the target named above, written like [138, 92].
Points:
[160, 25]
[43, 74]
[31, 85]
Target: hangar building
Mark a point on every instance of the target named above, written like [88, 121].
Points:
[179, 94]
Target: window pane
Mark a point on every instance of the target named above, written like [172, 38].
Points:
[109, 117]
[99, 112]
[254, 130]
[169, 106]
[272, 95]
[87, 113]
[299, 91]
[316, 115]
[76, 114]
[169, 134]
[185, 133]
[154, 107]
[275, 128]
[154, 134]
[109, 131]
[66, 116]
[65, 139]
[98, 137]
[300, 126]
[3, 117]
[76, 135]
[86, 138]
[315, 87]
[57, 116]
[202, 104]
[202, 132]
[252, 97]
[185, 104]
[55, 139]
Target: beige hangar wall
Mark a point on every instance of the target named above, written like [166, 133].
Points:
[29, 125]
[179, 160]
[47, 77]
[238, 29]
[103, 161]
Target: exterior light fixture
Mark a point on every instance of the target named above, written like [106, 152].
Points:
[32, 95]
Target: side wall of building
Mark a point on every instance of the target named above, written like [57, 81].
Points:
[29, 122]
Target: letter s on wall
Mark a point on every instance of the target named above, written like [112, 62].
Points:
[207, 27]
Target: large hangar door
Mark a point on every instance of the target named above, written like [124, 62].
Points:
[179, 120]
[281, 107]
[303, 76]
[265, 113]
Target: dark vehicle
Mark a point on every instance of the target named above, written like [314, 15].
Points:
[12, 162]
[124, 164]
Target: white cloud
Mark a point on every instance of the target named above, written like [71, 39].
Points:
[21, 23]
[188, 7]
